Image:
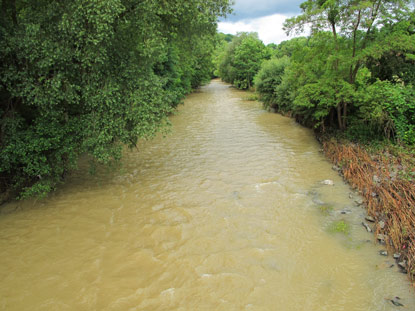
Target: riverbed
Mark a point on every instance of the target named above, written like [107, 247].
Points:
[227, 212]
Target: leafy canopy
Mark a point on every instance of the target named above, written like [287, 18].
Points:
[91, 76]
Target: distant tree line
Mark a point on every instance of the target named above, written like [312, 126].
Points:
[355, 73]
[91, 76]
[241, 59]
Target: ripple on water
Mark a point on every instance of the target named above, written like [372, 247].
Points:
[218, 216]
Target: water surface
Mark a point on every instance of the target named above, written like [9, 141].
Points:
[223, 214]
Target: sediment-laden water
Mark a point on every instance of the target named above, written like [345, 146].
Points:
[226, 213]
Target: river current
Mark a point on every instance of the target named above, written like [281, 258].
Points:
[228, 212]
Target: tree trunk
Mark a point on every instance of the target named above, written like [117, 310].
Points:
[9, 8]
[340, 117]
[344, 115]
[331, 117]
[352, 74]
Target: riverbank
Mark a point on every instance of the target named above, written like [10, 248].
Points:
[384, 176]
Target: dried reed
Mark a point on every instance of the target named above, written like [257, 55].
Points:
[388, 194]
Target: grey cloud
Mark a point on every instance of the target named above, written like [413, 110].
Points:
[245, 9]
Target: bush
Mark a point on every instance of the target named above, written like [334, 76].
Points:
[269, 78]
[388, 108]
[242, 59]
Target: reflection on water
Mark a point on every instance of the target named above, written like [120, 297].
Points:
[224, 214]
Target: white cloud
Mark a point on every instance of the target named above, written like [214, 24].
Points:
[269, 28]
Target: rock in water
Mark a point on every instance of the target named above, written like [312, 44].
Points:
[366, 226]
[396, 302]
[402, 265]
[381, 238]
[370, 218]
[328, 182]
[383, 253]
[358, 201]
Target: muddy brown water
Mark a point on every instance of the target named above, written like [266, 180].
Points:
[223, 214]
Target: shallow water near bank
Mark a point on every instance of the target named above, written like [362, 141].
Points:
[223, 214]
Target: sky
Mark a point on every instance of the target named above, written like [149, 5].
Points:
[265, 17]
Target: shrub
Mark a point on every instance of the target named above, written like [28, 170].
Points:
[389, 108]
[269, 78]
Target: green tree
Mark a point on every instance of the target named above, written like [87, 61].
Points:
[247, 61]
[397, 62]
[242, 60]
[268, 82]
[288, 47]
[356, 21]
[91, 76]
[221, 42]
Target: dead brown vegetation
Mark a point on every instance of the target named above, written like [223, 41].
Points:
[383, 178]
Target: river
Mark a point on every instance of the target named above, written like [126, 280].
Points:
[225, 213]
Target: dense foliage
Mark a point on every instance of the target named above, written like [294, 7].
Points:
[90, 76]
[354, 73]
[269, 82]
[242, 59]
[221, 42]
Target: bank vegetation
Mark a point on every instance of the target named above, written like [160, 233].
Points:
[88, 77]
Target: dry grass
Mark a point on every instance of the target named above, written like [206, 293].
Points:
[381, 178]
